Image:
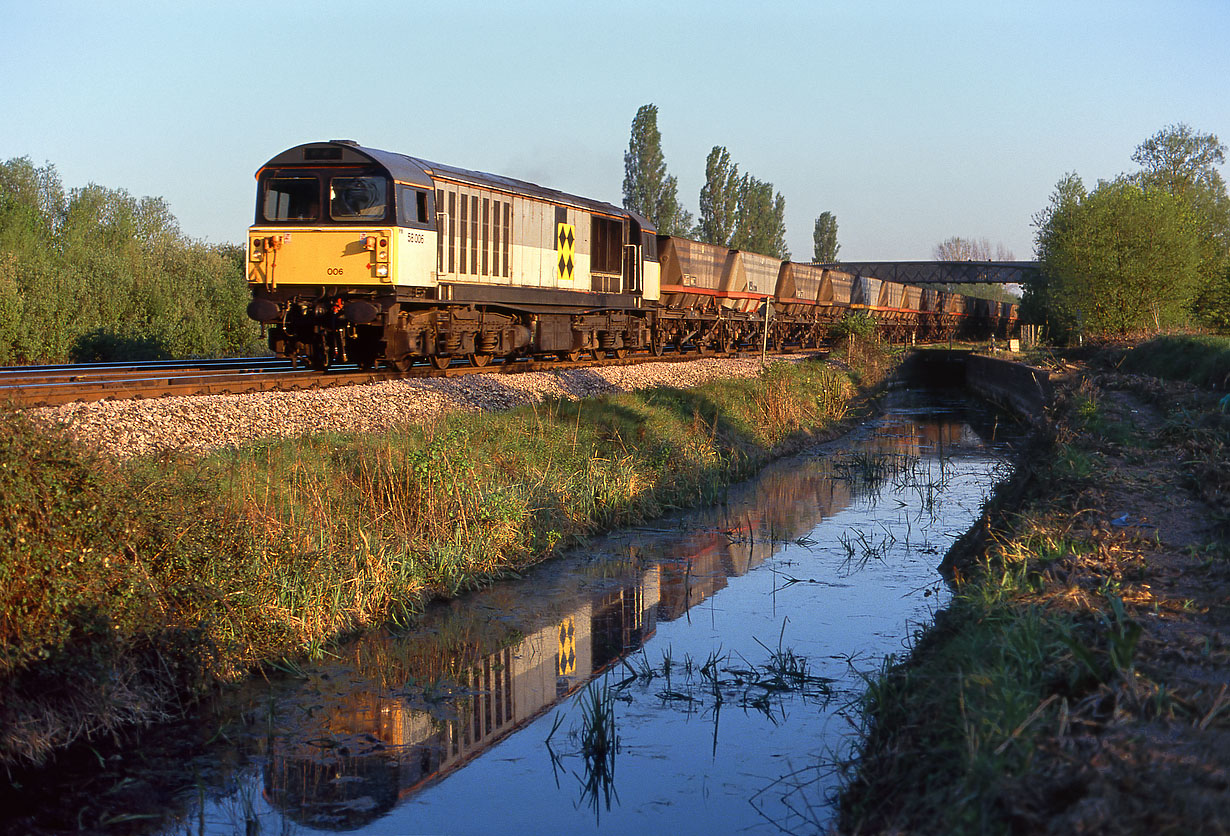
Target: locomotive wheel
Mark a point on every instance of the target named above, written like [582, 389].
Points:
[479, 360]
[402, 364]
[440, 361]
[569, 356]
[599, 354]
[621, 353]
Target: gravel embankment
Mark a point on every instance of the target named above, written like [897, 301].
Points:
[203, 422]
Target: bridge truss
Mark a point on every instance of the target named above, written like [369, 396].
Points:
[934, 272]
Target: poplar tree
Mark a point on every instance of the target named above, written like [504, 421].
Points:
[648, 189]
[824, 239]
[719, 199]
[760, 222]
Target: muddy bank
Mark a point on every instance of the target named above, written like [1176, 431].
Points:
[1080, 679]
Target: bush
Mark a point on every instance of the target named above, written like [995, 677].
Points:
[859, 326]
[104, 345]
[1204, 361]
[99, 274]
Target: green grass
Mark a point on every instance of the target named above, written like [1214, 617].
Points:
[977, 693]
[1203, 360]
[166, 575]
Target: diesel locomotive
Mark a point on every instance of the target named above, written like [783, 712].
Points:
[365, 256]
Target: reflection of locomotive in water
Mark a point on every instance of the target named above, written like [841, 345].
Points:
[383, 747]
[367, 256]
[367, 748]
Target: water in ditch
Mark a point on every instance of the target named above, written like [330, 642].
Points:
[696, 675]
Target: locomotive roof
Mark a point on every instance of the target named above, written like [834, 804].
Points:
[418, 172]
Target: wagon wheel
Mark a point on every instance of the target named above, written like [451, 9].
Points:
[440, 361]
[728, 345]
[599, 354]
[479, 360]
[657, 344]
[621, 353]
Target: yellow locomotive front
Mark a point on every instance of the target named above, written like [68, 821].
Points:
[339, 238]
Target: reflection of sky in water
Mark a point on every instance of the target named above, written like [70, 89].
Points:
[830, 555]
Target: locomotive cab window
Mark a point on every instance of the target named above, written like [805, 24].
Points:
[649, 246]
[414, 207]
[291, 199]
[358, 198]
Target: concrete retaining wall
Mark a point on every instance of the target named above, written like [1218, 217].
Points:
[1023, 389]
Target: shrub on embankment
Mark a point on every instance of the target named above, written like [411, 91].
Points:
[126, 586]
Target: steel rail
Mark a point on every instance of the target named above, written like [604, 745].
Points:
[126, 383]
[16, 375]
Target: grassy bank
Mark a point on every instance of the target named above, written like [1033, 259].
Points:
[126, 588]
[1078, 681]
[1202, 360]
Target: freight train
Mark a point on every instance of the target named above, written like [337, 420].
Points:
[365, 256]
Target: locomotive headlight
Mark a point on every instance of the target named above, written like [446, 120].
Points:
[382, 271]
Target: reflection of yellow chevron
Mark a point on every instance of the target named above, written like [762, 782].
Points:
[565, 251]
[566, 660]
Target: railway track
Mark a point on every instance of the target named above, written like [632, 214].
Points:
[32, 386]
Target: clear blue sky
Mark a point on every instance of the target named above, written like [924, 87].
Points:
[911, 121]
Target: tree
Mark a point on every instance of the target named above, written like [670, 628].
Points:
[1178, 160]
[99, 274]
[824, 239]
[719, 199]
[1182, 162]
[760, 222]
[957, 248]
[648, 189]
[1118, 259]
